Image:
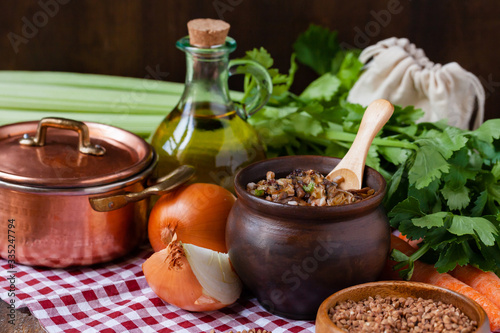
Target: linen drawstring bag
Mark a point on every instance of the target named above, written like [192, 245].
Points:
[398, 71]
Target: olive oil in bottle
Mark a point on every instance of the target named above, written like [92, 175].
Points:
[206, 129]
[214, 140]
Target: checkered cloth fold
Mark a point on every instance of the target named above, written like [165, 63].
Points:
[115, 297]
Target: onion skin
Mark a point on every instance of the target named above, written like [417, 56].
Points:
[170, 276]
[194, 214]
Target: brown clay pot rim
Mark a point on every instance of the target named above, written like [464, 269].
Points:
[310, 212]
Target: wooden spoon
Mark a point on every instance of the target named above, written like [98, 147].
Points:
[352, 166]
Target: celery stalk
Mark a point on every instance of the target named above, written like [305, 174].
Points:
[137, 123]
[107, 82]
[137, 105]
[77, 106]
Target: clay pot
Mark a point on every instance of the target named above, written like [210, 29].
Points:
[293, 257]
[400, 289]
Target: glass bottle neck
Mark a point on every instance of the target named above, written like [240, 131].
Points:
[206, 89]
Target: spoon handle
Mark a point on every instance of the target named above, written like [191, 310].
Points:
[353, 163]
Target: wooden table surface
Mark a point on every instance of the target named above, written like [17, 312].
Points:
[24, 321]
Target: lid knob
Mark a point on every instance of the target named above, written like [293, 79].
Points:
[207, 32]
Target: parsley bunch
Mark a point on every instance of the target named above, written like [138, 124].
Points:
[443, 182]
[448, 194]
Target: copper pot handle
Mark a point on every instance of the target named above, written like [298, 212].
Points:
[84, 145]
[164, 184]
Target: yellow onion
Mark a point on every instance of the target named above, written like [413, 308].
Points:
[194, 214]
[192, 278]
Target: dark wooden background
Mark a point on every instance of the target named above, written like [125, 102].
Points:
[126, 37]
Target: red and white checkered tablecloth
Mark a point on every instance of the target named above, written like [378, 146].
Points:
[115, 297]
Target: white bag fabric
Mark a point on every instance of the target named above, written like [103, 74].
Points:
[401, 73]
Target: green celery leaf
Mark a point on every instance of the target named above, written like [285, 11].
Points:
[337, 61]
[454, 255]
[355, 112]
[271, 123]
[494, 198]
[302, 122]
[439, 238]
[429, 164]
[476, 257]
[495, 171]
[491, 255]
[395, 155]
[487, 152]
[396, 189]
[405, 116]
[457, 176]
[372, 159]
[407, 228]
[353, 118]
[488, 131]
[350, 69]
[335, 150]
[430, 220]
[461, 159]
[406, 210]
[479, 204]
[268, 114]
[281, 82]
[456, 197]
[316, 48]
[428, 197]
[324, 113]
[494, 192]
[261, 56]
[446, 142]
[323, 88]
[465, 225]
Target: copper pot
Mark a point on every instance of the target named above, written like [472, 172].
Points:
[54, 177]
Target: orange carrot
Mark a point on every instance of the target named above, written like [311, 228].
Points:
[413, 243]
[487, 283]
[428, 274]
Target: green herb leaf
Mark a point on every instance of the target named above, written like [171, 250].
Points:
[488, 131]
[405, 116]
[430, 220]
[258, 193]
[479, 204]
[495, 171]
[349, 70]
[457, 197]
[395, 155]
[405, 211]
[429, 165]
[309, 188]
[322, 89]
[484, 229]
[317, 48]
[454, 255]
[261, 56]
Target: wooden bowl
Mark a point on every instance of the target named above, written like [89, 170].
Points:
[293, 257]
[400, 289]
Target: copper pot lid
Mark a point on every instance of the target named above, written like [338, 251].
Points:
[62, 153]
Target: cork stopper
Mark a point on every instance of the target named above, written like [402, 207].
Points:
[207, 32]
